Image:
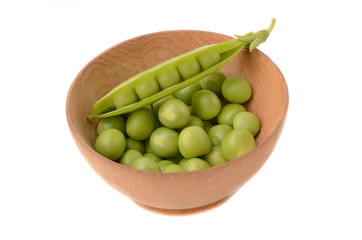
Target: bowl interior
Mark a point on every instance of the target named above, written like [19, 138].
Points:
[269, 101]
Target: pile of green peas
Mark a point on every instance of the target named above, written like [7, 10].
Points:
[200, 126]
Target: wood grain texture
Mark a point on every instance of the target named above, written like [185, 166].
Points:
[176, 192]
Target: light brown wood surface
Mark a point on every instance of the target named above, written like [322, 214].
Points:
[176, 193]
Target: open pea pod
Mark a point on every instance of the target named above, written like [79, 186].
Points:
[173, 75]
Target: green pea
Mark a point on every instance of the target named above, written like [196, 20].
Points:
[156, 105]
[135, 144]
[190, 109]
[218, 132]
[147, 88]
[140, 124]
[213, 82]
[173, 168]
[237, 143]
[207, 125]
[147, 146]
[149, 106]
[209, 59]
[145, 164]
[168, 77]
[174, 113]
[189, 67]
[248, 121]
[195, 164]
[205, 104]
[182, 161]
[164, 163]
[129, 156]
[116, 122]
[195, 121]
[193, 142]
[164, 142]
[186, 93]
[228, 112]
[176, 159]
[125, 97]
[152, 156]
[111, 143]
[215, 156]
[236, 89]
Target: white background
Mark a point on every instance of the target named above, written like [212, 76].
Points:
[310, 188]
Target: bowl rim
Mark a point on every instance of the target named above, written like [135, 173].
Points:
[280, 121]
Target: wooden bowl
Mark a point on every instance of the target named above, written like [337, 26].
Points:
[176, 193]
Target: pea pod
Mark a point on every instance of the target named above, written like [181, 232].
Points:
[173, 75]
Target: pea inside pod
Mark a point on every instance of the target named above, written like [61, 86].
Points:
[168, 77]
[186, 69]
[147, 88]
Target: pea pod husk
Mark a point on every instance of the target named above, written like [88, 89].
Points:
[106, 107]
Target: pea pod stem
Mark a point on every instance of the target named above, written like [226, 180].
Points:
[253, 40]
[105, 107]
